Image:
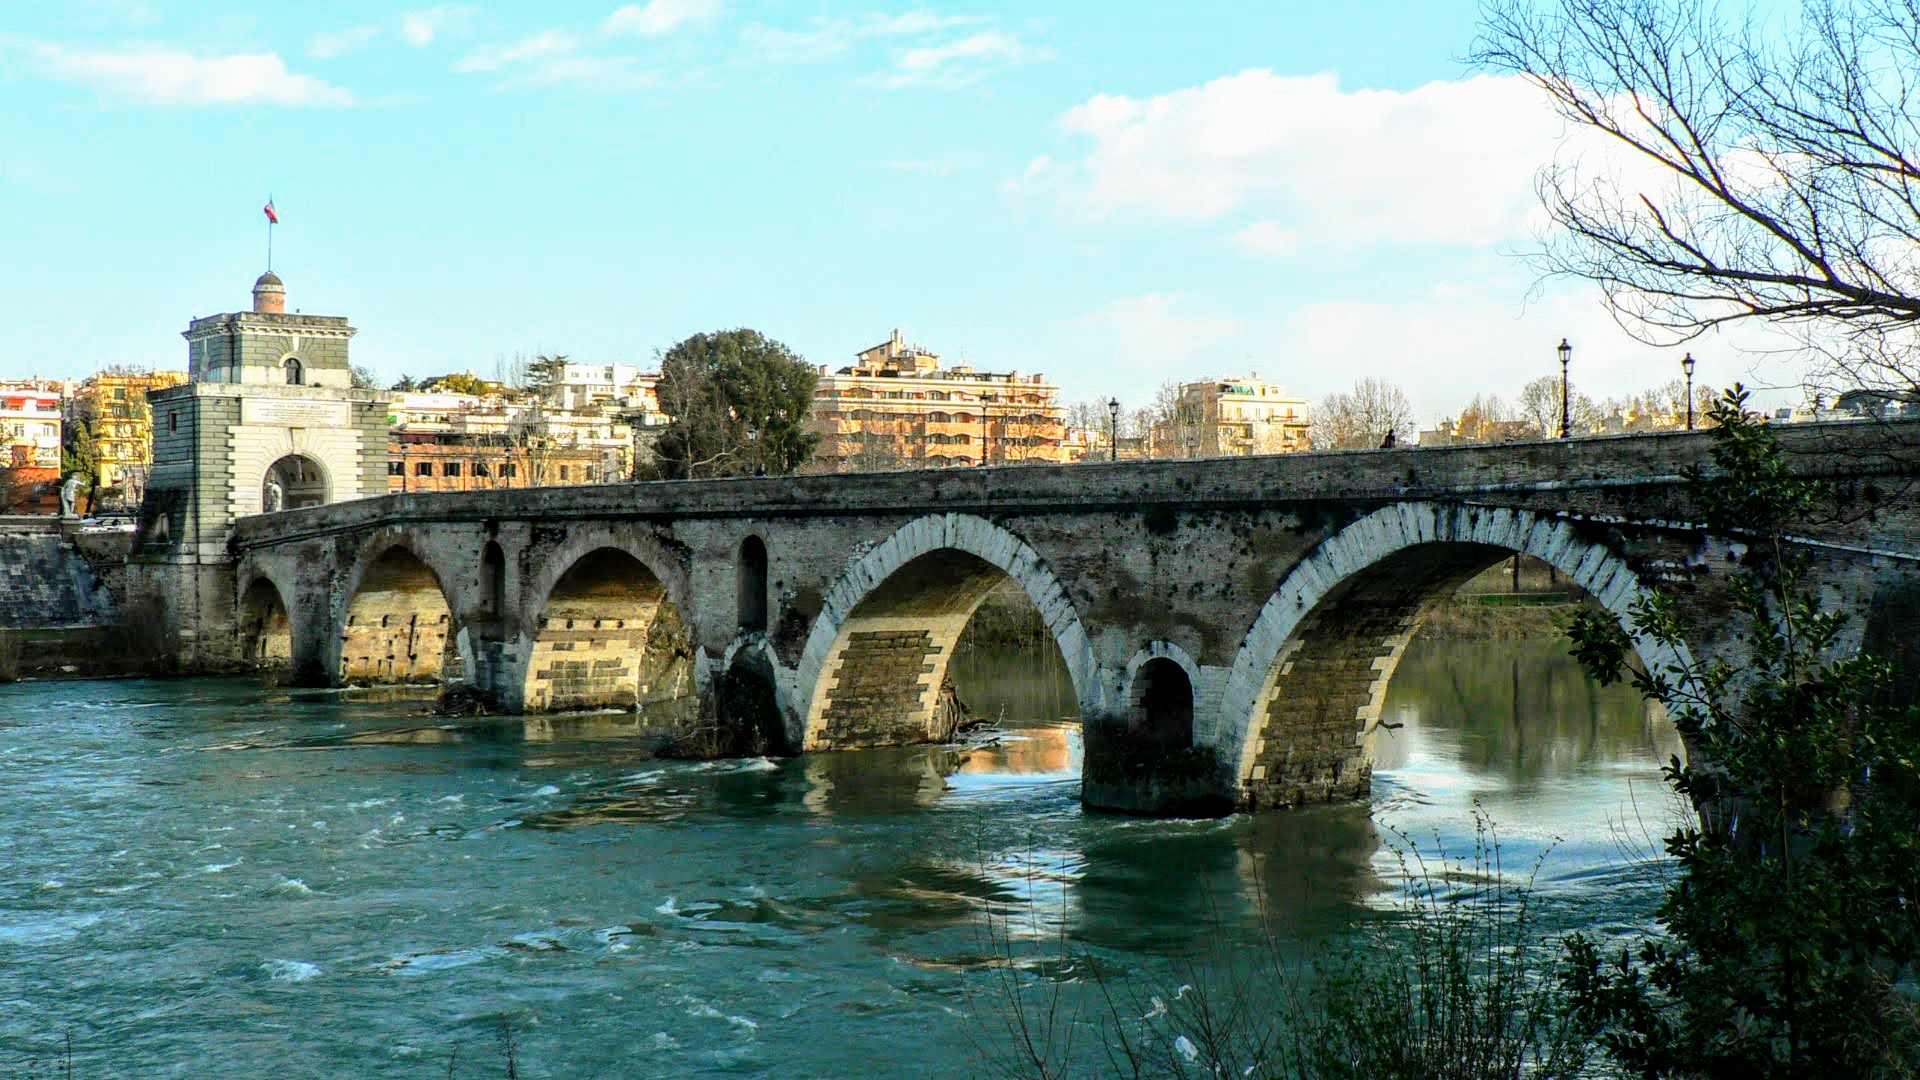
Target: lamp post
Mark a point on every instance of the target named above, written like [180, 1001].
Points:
[1566, 413]
[1113, 428]
[1686, 365]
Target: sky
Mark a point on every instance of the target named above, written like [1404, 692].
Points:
[1114, 195]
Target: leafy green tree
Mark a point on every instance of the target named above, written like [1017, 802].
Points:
[405, 383]
[542, 371]
[739, 402]
[77, 452]
[1791, 931]
[460, 382]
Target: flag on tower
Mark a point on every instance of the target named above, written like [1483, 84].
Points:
[271, 215]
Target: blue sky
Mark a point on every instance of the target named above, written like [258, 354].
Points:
[1113, 194]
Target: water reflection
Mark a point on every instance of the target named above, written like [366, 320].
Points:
[1518, 710]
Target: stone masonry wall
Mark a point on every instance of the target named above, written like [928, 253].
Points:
[587, 663]
[879, 694]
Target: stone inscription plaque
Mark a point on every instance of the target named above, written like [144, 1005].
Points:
[293, 413]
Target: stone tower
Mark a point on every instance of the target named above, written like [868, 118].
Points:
[267, 420]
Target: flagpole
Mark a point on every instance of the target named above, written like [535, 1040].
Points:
[269, 237]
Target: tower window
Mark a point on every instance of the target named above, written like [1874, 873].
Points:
[294, 374]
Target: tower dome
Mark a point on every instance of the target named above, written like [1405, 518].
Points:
[269, 294]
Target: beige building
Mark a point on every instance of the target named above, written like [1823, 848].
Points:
[621, 388]
[1464, 430]
[442, 441]
[897, 407]
[1233, 417]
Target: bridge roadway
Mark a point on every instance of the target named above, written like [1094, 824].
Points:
[1230, 624]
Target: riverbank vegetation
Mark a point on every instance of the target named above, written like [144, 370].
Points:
[1789, 944]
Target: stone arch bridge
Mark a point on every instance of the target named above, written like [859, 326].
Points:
[1233, 620]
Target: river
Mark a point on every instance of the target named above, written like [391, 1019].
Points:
[216, 878]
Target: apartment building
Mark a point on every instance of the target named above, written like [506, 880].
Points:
[123, 427]
[896, 406]
[442, 441]
[30, 419]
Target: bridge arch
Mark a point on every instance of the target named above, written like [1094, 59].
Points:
[1303, 697]
[601, 618]
[397, 625]
[875, 660]
[265, 627]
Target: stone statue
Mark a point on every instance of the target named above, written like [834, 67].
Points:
[275, 497]
[69, 494]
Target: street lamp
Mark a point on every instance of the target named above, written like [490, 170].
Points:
[1566, 414]
[1686, 365]
[1113, 428]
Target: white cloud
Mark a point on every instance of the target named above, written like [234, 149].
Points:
[161, 76]
[660, 16]
[543, 46]
[556, 58]
[1269, 238]
[419, 28]
[602, 74]
[1445, 163]
[1160, 336]
[331, 43]
[1477, 337]
[960, 61]
[822, 40]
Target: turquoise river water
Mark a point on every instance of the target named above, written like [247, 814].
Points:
[217, 878]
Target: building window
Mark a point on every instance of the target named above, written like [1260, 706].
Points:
[480, 468]
[450, 468]
[423, 468]
[563, 472]
[291, 365]
[396, 468]
[509, 470]
[173, 421]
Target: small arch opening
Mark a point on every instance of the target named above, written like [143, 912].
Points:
[295, 374]
[1161, 705]
[750, 585]
[493, 580]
